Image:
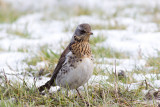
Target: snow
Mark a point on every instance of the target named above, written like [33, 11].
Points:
[140, 77]
[97, 79]
[121, 64]
[130, 86]
[156, 83]
[139, 38]
[11, 60]
[146, 43]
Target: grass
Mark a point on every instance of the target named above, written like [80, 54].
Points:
[101, 52]
[97, 39]
[98, 27]
[7, 13]
[1, 49]
[101, 95]
[69, 28]
[24, 50]
[66, 12]
[19, 33]
[126, 79]
[109, 26]
[71, 11]
[116, 26]
[22, 34]
[154, 62]
[44, 55]
[79, 10]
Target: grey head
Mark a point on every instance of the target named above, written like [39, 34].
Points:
[82, 32]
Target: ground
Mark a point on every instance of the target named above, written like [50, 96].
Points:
[125, 46]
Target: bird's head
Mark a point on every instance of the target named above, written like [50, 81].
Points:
[82, 32]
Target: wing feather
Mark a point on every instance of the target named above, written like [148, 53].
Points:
[51, 82]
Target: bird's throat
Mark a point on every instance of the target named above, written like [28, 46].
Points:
[81, 49]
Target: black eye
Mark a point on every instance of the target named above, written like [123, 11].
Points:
[82, 31]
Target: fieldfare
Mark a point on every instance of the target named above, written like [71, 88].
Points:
[75, 65]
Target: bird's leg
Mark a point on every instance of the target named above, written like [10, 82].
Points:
[79, 94]
[82, 98]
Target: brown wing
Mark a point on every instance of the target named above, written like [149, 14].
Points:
[51, 82]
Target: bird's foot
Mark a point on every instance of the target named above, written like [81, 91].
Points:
[86, 102]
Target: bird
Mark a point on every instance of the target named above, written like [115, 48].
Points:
[75, 65]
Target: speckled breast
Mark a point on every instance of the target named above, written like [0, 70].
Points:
[75, 71]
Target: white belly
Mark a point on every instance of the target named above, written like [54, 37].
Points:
[75, 76]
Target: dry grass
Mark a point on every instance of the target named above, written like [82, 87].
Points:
[7, 13]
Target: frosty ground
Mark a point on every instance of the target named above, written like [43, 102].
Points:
[125, 41]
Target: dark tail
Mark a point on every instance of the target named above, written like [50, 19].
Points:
[47, 85]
